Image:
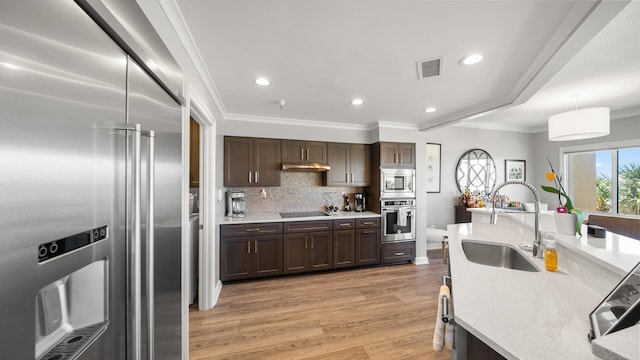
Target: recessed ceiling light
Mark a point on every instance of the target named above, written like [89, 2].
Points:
[471, 59]
[357, 101]
[430, 109]
[263, 81]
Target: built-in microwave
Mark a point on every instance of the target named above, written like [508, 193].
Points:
[397, 183]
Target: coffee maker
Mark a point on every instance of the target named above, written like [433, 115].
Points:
[235, 204]
[360, 202]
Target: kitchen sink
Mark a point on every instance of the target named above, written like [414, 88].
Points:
[498, 255]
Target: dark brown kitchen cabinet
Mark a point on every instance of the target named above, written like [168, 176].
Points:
[367, 241]
[398, 155]
[344, 243]
[308, 246]
[301, 152]
[350, 165]
[194, 154]
[251, 257]
[398, 252]
[462, 215]
[307, 252]
[250, 251]
[251, 162]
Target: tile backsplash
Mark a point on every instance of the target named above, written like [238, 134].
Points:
[298, 191]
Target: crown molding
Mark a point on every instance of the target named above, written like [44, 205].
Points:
[177, 22]
[293, 122]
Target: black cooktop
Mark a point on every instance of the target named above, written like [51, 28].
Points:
[302, 214]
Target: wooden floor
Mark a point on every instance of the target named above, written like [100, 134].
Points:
[373, 313]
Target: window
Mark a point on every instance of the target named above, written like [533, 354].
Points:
[605, 180]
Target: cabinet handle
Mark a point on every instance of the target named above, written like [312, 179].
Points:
[368, 232]
[395, 158]
[399, 253]
[249, 247]
[305, 242]
[257, 181]
[400, 158]
[312, 242]
[254, 229]
[249, 177]
[307, 154]
[345, 224]
[351, 177]
[346, 176]
[255, 246]
[302, 154]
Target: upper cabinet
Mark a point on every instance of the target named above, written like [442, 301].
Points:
[350, 165]
[300, 152]
[251, 162]
[399, 155]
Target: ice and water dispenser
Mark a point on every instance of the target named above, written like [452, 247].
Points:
[71, 312]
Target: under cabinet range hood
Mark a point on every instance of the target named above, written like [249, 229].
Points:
[305, 167]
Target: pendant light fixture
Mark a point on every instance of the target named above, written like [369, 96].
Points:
[579, 124]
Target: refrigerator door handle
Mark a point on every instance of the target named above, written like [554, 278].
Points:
[134, 273]
[150, 240]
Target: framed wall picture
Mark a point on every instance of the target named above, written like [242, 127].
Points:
[515, 170]
[433, 168]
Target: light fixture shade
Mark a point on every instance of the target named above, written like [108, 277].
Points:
[579, 124]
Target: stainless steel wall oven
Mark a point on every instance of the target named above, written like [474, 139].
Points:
[398, 220]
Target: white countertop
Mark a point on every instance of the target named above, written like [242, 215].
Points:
[526, 315]
[275, 217]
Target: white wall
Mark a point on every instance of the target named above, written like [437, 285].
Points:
[455, 141]
[621, 130]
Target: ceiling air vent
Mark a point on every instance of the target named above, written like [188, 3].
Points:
[429, 68]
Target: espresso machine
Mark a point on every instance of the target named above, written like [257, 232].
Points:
[360, 202]
[235, 204]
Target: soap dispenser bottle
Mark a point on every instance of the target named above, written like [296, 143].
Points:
[550, 256]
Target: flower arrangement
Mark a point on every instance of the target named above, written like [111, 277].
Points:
[567, 205]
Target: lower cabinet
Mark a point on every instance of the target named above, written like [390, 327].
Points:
[269, 249]
[368, 241]
[398, 252]
[367, 247]
[307, 252]
[251, 257]
[344, 248]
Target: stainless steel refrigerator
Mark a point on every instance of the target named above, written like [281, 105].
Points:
[90, 192]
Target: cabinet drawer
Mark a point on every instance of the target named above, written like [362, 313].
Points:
[251, 229]
[368, 223]
[344, 224]
[307, 226]
[398, 252]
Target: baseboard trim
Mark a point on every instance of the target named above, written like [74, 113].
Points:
[423, 260]
[216, 292]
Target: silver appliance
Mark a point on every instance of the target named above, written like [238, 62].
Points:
[90, 191]
[397, 183]
[398, 220]
[360, 202]
[236, 204]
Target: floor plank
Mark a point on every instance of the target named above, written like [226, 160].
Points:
[375, 313]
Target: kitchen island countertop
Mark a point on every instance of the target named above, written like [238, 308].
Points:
[522, 315]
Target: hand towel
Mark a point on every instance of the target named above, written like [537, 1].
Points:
[443, 334]
[403, 212]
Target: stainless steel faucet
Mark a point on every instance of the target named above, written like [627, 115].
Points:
[537, 241]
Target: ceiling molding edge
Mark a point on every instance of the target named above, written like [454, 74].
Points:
[566, 45]
[393, 125]
[174, 15]
[293, 122]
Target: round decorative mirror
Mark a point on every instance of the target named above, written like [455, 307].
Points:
[476, 171]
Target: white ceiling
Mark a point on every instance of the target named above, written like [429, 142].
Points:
[321, 54]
